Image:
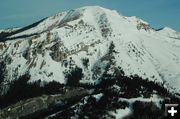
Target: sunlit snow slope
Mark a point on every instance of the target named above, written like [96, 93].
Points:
[60, 42]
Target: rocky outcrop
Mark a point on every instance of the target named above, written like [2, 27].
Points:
[42, 103]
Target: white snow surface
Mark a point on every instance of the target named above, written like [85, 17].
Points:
[121, 113]
[87, 33]
[170, 33]
[98, 96]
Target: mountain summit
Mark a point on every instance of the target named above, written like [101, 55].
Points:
[86, 33]
[96, 41]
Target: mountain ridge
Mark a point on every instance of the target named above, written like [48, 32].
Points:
[89, 63]
[93, 28]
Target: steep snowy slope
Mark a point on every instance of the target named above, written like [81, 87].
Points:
[63, 41]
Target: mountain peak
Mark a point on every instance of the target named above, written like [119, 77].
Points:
[87, 32]
[92, 7]
[97, 61]
[95, 8]
[166, 31]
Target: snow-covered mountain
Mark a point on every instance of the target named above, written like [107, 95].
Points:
[54, 45]
[107, 65]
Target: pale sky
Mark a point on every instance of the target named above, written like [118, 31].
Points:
[159, 13]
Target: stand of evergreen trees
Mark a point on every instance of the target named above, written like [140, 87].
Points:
[129, 87]
[73, 77]
[21, 89]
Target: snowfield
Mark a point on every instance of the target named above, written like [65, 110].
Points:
[87, 32]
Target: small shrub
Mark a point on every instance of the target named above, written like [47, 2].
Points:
[85, 62]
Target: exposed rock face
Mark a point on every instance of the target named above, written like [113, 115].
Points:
[56, 53]
[143, 26]
[41, 104]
